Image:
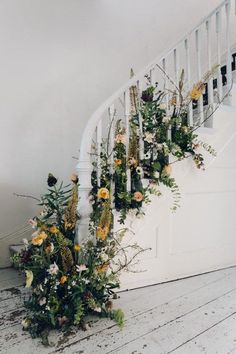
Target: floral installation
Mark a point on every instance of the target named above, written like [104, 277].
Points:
[166, 138]
[69, 280]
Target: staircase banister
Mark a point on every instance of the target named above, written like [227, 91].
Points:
[96, 116]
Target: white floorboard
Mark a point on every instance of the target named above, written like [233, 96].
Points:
[188, 316]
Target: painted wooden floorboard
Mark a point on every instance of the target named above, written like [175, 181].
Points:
[164, 318]
[160, 294]
[220, 338]
[160, 316]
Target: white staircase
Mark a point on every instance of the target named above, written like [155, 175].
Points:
[201, 236]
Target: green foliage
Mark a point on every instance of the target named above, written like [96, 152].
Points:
[67, 281]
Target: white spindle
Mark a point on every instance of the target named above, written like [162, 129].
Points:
[176, 66]
[229, 56]
[210, 95]
[218, 40]
[210, 82]
[99, 142]
[199, 72]
[167, 96]
[127, 123]
[151, 76]
[140, 118]
[176, 72]
[190, 107]
[111, 112]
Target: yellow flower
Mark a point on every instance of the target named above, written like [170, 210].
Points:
[102, 232]
[168, 170]
[77, 248]
[118, 162]
[103, 193]
[74, 179]
[197, 91]
[29, 278]
[37, 241]
[68, 225]
[53, 229]
[43, 235]
[138, 196]
[102, 268]
[63, 279]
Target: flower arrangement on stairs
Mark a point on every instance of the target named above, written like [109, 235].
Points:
[69, 280]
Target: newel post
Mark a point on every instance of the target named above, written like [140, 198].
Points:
[84, 169]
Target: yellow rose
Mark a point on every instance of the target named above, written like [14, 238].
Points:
[118, 162]
[102, 232]
[63, 279]
[103, 193]
[138, 196]
[53, 229]
[77, 248]
[29, 278]
[37, 241]
[43, 235]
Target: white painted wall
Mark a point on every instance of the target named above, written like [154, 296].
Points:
[59, 60]
[200, 236]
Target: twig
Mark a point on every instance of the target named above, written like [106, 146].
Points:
[26, 196]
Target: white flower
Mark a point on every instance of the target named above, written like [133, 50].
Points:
[162, 106]
[166, 120]
[104, 257]
[149, 137]
[25, 323]
[139, 170]
[159, 147]
[109, 271]
[185, 129]
[157, 174]
[97, 309]
[81, 268]
[147, 155]
[53, 269]
[34, 234]
[42, 301]
[155, 155]
[33, 223]
[25, 241]
[73, 283]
